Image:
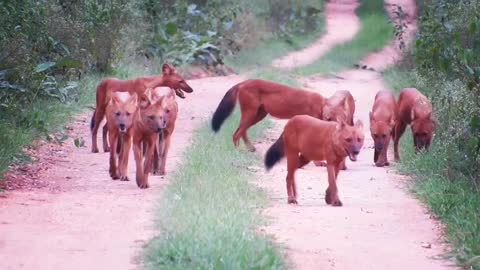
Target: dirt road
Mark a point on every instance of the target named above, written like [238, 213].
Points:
[380, 226]
[80, 219]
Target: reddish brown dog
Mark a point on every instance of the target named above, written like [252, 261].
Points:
[305, 138]
[339, 107]
[165, 136]
[120, 112]
[414, 109]
[106, 87]
[151, 119]
[258, 98]
[382, 125]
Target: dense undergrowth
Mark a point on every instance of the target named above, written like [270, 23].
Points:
[444, 65]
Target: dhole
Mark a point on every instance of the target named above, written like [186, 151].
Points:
[414, 109]
[339, 107]
[305, 138]
[165, 136]
[258, 98]
[168, 78]
[149, 122]
[120, 112]
[382, 124]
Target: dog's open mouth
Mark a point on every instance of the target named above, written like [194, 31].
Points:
[179, 93]
[352, 156]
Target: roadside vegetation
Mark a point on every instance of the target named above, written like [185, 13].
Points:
[57, 51]
[208, 215]
[444, 64]
[375, 32]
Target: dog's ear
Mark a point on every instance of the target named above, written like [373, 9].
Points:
[345, 105]
[392, 122]
[133, 99]
[412, 115]
[145, 99]
[372, 117]
[341, 124]
[359, 124]
[167, 69]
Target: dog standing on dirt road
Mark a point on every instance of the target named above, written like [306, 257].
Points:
[120, 113]
[258, 98]
[339, 107]
[305, 138]
[107, 86]
[164, 139]
[414, 109]
[150, 121]
[382, 125]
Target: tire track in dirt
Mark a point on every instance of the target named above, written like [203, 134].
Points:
[84, 220]
[341, 26]
[380, 225]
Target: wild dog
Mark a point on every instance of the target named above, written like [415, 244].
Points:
[120, 112]
[107, 86]
[339, 107]
[163, 144]
[305, 138]
[414, 109]
[382, 125]
[151, 120]
[258, 98]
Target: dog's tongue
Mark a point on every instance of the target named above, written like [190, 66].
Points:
[180, 93]
[352, 157]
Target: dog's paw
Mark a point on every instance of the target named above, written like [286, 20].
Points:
[124, 178]
[292, 200]
[337, 203]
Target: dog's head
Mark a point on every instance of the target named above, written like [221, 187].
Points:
[154, 112]
[381, 131]
[173, 80]
[350, 138]
[121, 109]
[423, 128]
[337, 112]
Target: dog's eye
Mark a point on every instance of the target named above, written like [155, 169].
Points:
[375, 136]
[128, 114]
[151, 117]
[359, 140]
[384, 136]
[117, 113]
[167, 111]
[348, 140]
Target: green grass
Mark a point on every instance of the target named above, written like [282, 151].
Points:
[454, 199]
[208, 214]
[376, 31]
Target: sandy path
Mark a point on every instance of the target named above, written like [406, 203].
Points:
[380, 225]
[84, 220]
[341, 26]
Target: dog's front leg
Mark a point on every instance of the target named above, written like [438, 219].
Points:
[331, 194]
[138, 153]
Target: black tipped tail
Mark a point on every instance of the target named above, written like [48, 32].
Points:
[225, 108]
[275, 153]
[92, 121]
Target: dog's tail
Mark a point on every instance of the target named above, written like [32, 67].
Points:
[225, 108]
[92, 121]
[275, 153]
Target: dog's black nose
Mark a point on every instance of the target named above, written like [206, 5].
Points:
[356, 152]
[122, 126]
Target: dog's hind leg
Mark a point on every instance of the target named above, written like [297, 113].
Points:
[97, 119]
[104, 136]
[261, 114]
[245, 122]
[399, 130]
